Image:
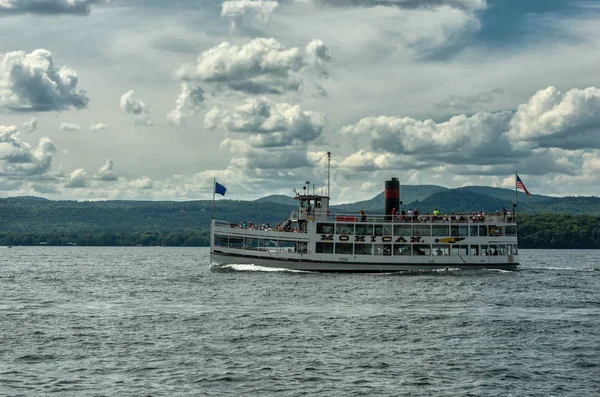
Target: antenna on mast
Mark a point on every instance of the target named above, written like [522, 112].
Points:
[328, 171]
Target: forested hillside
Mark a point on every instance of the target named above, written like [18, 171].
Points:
[31, 220]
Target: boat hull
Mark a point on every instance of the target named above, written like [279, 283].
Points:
[221, 258]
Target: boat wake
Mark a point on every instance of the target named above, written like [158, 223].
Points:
[251, 268]
[572, 269]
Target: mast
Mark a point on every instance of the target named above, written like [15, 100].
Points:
[328, 173]
[213, 206]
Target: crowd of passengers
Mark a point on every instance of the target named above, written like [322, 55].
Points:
[404, 216]
[416, 216]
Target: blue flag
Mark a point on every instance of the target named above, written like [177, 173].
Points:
[220, 189]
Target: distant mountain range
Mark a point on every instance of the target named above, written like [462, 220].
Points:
[465, 200]
[36, 221]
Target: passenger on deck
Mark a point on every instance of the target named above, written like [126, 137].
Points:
[394, 214]
[363, 216]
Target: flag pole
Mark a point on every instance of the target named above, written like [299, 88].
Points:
[213, 206]
[516, 193]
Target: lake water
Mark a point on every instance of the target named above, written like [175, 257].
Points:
[79, 321]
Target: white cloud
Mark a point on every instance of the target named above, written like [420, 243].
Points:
[142, 182]
[48, 7]
[262, 66]
[106, 172]
[32, 82]
[187, 104]
[30, 125]
[18, 158]
[77, 179]
[461, 140]
[553, 119]
[240, 11]
[139, 109]
[98, 127]
[271, 124]
[69, 127]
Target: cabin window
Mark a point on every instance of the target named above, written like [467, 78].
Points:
[343, 248]
[325, 228]
[484, 250]
[383, 230]
[459, 250]
[421, 249]
[493, 250]
[474, 250]
[266, 243]
[302, 247]
[510, 230]
[474, 231]
[250, 243]
[459, 231]
[364, 230]
[221, 240]
[494, 230]
[344, 228]
[286, 246]
[383, 249]
[502, 249]
[483, 230]
[439, 231]
[324, 248]
[422, 230]
[363, 249]
[440, 249]
[403, 230]
[401, 249]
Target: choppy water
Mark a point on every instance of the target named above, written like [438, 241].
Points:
[158, 321]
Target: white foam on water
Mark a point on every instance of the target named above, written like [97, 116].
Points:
[499, 270]
[255, 268]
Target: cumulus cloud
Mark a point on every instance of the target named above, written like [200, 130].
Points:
[187, 104]
[240, 11]
[30, 125]
[262, 66]
[139, 109]
[48, 7]
[141, 183]
[271, 124]
[17, 158]
[553, 119]
[32, 82]
[69, 127]
[77, 179]
[98, 127]
[106, 172]
[464, 102]
[461, 140]
[466, 5]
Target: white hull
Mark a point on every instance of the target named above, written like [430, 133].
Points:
[359, 267]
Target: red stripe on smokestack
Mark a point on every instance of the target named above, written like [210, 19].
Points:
[391, 194]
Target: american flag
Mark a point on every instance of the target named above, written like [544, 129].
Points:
[521, 186]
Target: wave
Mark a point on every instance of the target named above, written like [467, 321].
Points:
[569, 268]
[252, 268]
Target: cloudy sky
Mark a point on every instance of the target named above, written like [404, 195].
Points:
[152, 99]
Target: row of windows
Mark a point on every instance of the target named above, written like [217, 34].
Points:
[416, 249]
[416, 230]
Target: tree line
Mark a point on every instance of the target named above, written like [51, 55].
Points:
[534, 231]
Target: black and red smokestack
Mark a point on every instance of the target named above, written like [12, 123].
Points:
[392, 196]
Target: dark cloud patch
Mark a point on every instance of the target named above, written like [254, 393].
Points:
[48, 7]
[465, 102]
[405, 4]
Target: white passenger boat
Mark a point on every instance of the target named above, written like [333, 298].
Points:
[316, 239]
